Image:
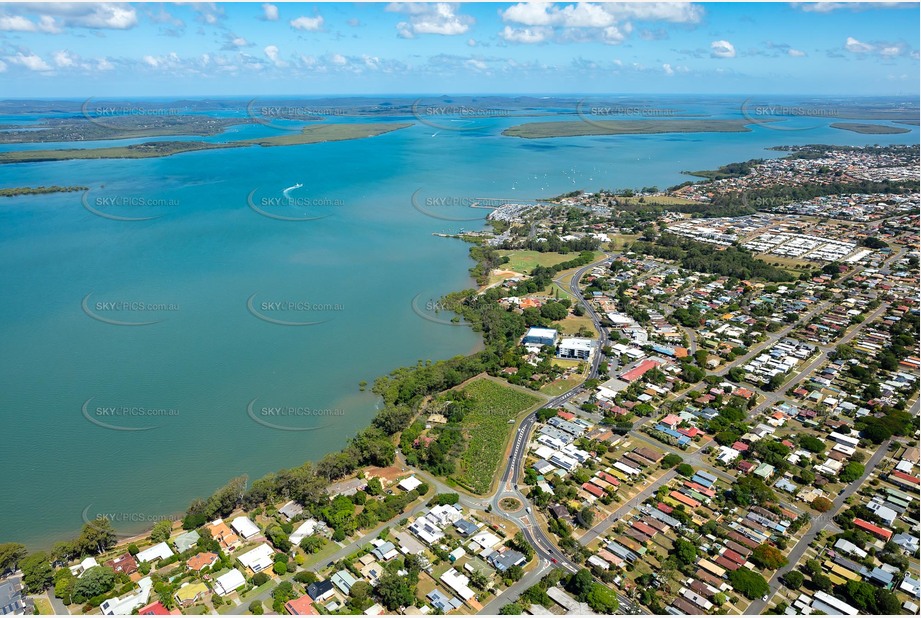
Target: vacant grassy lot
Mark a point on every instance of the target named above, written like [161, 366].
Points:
[525, 261]
[572, 323]
[487, 429]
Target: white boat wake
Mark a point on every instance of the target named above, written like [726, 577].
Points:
[289, 189]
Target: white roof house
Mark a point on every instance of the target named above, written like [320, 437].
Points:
[244, 526]
[124, 606]
[304, 530]
[228, 582]
[157, 552]
[409, 484]
[258, 559]
[458, 583]
[85, 565]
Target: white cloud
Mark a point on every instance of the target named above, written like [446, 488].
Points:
[613, 34]
[668, 69]
[853, 45]
[475, 64]
[271, 52]
[51, 17]
[2, 66]
[672, 12]
[587, 21]
[270, 12]
[338, 60]
[537, 34]
[353, 22]
[63, 59]
[796, 53]
[890, 51]
[103, 64]
[208, 12]
[436, 18]
[31, 61]
[16, 23]
[310, 24]
[722, 49]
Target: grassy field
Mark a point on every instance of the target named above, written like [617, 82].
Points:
[578, 128]
[868, 129]
[43, 606]
[622, 241]
[525, 261]
[309, 135]
[558, 387]
[487, 429]
[571, 324]
[790, 264]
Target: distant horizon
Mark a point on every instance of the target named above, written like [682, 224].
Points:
[856, 49]
[465, 94]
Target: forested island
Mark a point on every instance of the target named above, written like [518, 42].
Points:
[309, 135]
[18, 191]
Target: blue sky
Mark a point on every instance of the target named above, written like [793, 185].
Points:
[194, 49]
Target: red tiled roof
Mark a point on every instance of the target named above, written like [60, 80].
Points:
[200, 561]
[154, 609]
[302, 606]
[873, 529]
[905, 477]
[613, 480]
[726, 563]
[680, 497]
[638, 372]
[735, 557]
[593, 489]
[647, 530]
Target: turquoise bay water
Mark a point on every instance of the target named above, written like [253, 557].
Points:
[207, 253]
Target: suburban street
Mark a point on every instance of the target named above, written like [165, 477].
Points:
[820, 523]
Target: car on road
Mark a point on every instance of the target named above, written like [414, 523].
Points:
[764, 598]
[553, 560]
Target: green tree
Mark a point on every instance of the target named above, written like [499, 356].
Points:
[821, 581]
[256, 608]
[511, 609]
[95, 581]
[394, 591]
[10, 555]
[768, 557]
[581, 583]
[685, 552]
[793, 580]
[670, 461]
[750, 584]
[822, 505]
[312, 544]
[685, 470]
[37, 573]
[161, 531]
[359, 594]
[851, 472]
[602, 599]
